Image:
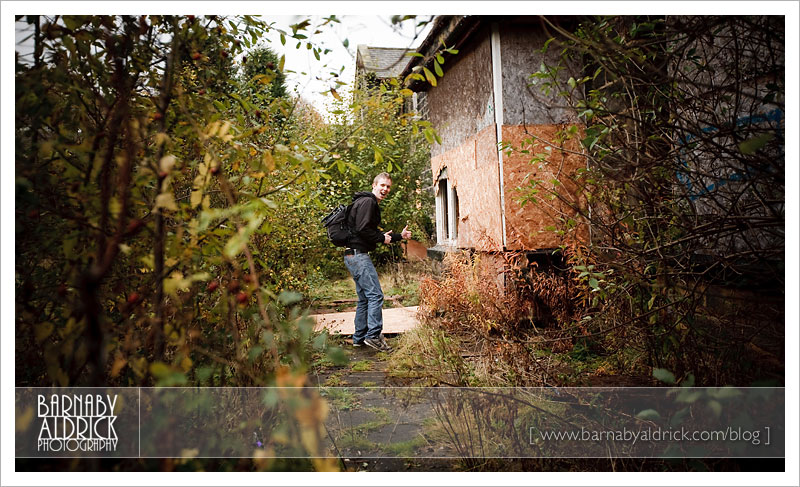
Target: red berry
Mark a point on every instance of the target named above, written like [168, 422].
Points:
[233, 286]
[134, 226]
[214, 170]
[212, 286]
[201, 92]
[242, 297]
[224, 54]
[157, 116]
[196, 55]
[270, 65]
[134, 298]
[191, 18]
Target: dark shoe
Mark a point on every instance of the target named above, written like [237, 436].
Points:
[378, 344]
[358, 344]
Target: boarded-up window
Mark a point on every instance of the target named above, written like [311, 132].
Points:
[443, 213]
[446, 210]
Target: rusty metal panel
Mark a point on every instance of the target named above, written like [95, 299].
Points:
[525, 225]
[473, 170]
[520, 53]
[462, 104]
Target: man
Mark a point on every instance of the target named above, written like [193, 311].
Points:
[364, 219]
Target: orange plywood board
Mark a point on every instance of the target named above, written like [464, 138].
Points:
[525, 224]
[395, 320]
[473, 169]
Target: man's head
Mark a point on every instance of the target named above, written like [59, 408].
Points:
[381, 185]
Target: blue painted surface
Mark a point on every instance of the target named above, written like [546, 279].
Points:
[773, 116]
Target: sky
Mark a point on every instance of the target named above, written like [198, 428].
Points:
[310, 77]
[306, 76]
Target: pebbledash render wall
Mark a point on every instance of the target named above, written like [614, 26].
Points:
[464, 110]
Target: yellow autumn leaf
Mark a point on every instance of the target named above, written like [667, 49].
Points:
[268, 160]
[114, 206]
[166, 163]
[161, 138]
[186, 364]
[212, 129]
[23, 419]
[119, 363]
[196, 198]
[166, 201]
[42, 331]
[174, 283]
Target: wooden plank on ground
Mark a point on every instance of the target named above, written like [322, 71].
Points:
[395, 320]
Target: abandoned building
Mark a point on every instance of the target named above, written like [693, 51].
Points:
[376, 64]
[483, 99]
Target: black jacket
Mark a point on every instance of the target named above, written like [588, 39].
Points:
[364, 218]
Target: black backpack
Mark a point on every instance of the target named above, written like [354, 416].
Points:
[336, 224]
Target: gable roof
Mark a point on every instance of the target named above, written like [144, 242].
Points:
[385, 62]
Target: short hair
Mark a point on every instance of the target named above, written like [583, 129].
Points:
[383, 175]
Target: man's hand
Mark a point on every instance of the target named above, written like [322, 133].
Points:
[406, 233]
[387, 237]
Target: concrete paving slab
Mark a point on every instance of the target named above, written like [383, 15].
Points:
[395, 320]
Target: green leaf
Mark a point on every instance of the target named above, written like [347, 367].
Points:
[572, 83]
[289, 298]
[283, 39]
[255, 352]
[438, 69]
[73, 21]
[664, 375]
[337, 356]
[715, 407]
[750, 146]
[688, 396]
[593, 283]
[648, 415]
[203, 373]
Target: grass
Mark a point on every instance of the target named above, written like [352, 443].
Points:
[406, 448]
[398, 279]
[361, 366]
[341, 398]
[335, 380]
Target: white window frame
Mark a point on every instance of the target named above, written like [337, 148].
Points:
[446, 231]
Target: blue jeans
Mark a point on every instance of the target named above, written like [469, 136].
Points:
[369, 311]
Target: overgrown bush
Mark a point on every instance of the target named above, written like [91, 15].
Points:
[681, 122]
